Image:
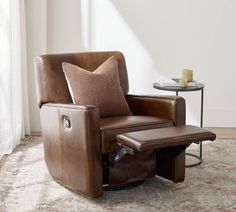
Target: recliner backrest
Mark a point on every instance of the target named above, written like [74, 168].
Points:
[50, 79]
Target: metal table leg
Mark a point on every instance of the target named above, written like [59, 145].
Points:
[200, 143]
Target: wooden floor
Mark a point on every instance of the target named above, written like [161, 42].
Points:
[223, 132]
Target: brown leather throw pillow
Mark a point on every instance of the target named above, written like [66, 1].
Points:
[100, 88]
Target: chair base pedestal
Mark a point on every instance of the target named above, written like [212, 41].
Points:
[122, 186]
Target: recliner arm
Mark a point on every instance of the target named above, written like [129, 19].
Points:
[169, 107]
[73, 149]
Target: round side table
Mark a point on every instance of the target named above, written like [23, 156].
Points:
[177, 89]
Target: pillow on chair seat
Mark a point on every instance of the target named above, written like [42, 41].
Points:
[100, 88]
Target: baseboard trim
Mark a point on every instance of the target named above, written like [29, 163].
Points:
[35, 134]
[223, 132]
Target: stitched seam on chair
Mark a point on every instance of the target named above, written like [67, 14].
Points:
[69, 106]
[153, 97]
[182, 139]
[59, 113]
[191, 140]
[159, 124]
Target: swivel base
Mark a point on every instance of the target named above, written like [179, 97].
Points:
[122, 186]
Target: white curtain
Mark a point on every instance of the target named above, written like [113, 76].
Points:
[14, 116]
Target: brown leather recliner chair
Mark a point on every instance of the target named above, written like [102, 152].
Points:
[80, 147]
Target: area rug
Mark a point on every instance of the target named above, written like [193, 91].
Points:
[25, 185]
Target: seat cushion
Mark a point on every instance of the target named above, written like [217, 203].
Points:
[112, 126]
[100, 88]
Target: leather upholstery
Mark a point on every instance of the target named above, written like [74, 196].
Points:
[168, 142]
[166, 137]
[131, 168]
[51, 82]
[167, 157]
[112, 126]
[168, 107]
[73, 155]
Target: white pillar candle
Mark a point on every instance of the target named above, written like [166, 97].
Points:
[183, 83]
[187, 74]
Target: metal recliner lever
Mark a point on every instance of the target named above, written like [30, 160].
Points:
[124, 150]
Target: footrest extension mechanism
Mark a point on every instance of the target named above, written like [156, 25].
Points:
[124, 150]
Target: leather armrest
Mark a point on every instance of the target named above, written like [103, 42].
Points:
[169, 107]
[73, 150]
[70, 106]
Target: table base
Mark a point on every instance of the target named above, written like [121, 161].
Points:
[194, 164]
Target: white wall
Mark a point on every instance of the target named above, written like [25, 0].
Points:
[51, 27]
[159, 38]
[36, 40]
[63, 26]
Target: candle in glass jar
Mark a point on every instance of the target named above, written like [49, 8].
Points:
[187, 74]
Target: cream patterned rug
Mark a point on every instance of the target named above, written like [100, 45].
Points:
[25, 185]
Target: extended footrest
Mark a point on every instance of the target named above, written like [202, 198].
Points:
[164, 137]
[163, 151]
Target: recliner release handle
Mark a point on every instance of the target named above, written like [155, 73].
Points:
[66, 122]
[124, 150]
